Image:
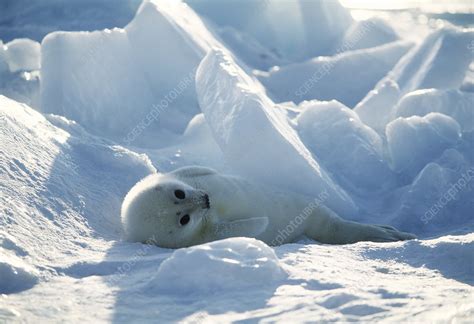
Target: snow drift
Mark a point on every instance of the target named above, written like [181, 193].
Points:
[236, 263]
[50, 189]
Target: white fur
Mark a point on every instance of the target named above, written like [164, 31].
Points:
[151, 213]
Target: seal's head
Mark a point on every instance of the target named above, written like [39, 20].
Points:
[164, 211]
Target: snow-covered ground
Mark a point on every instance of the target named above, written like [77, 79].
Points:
[377, 113]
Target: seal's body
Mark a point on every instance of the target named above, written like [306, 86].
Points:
[194, 205]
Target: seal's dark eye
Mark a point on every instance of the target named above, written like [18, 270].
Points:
[179, 194]
[184, 220]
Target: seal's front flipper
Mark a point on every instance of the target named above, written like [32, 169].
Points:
[250, 227]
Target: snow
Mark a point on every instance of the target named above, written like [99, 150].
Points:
[441, 194]
[22, 55]
[414, 141]
[440, 61]
[375, 110]
[261, 21]
[19, 70]
[315, 79]
[147, 78]
[86, 114]
[52, 175]
[453, 103]
[16, 276]
[319, 122]
[369, 33]
[236, 264]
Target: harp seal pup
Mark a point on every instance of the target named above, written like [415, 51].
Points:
[195, 205]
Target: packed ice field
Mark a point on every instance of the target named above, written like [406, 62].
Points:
[376, 110]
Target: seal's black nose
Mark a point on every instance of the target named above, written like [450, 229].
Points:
[206, 200]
